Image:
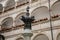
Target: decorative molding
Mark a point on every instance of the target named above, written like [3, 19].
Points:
[22, 26]
[36, 31]
[13, 7]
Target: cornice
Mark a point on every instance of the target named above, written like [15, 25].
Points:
[22, 26]
[36, 31]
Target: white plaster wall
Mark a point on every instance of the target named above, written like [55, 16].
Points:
[14, 13]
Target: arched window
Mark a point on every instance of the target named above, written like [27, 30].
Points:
[18, 19]
[34, 1]
[20, 38]
[2, 37]
[7, 22]
[58, 0]
[1, 7]
[41, 37]
[10, 4]
[58, 37]
[22, 1]
[55, 8]
[40, 13]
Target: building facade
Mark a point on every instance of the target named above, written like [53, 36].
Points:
[11, 26]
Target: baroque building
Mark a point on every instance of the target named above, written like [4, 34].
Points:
[11, 26]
